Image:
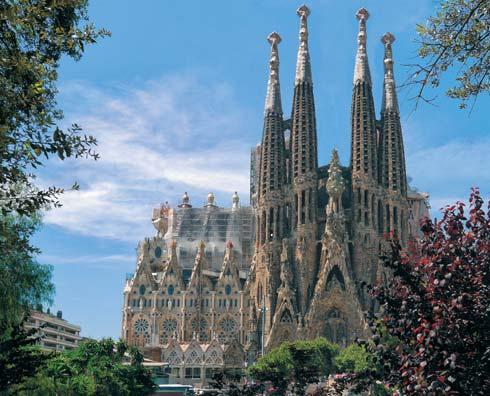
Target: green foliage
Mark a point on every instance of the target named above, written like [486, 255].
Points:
[34, 35]
[435, 308]
[19, 356]
[352, 359]
[297, 363]
[94, 368]
[23, 281]
[456, 39]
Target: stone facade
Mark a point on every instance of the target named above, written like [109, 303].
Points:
[288, 266]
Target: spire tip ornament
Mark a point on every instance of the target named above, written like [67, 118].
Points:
[388, 38]
[362, 14]
[273, 97]
[361, 70]
[303, 66]
[274, 38]
[303, 11]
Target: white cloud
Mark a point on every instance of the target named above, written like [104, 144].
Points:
[451, 165]
[112, 261]
[449, 171]
[155, 141]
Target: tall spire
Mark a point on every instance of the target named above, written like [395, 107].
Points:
[364, 143]
[361, 71]
[390, 101]
[391, 151]
[272, 176]
[273, 98]
[303, 66]
[304, 169]
[303, 133]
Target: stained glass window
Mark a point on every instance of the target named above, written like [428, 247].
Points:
[169, 325]
[170, 290]
[158, 252]
[228, 325]
[228, 290]
[202, 324]
[141, 326]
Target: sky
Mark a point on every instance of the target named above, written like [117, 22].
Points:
[175, 98]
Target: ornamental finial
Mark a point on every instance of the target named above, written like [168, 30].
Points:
[274, 38]
[389, 101]
[388, 38]
[361, 71]
[273, 97]
[362, 14]
[303, 66]
[303, 11]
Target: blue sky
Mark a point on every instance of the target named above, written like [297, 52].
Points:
[176, 98]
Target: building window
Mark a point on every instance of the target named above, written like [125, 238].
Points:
[209, 372]
[188, 372]
[176, 372]
[196, 372]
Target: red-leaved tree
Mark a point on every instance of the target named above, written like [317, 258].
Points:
[433, 334]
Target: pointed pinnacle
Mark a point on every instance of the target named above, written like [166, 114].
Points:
[274, 38]
[388, 38]
[362, 14]
[303, 11]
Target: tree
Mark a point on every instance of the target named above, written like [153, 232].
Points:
[95, 368]
[352, 359]
[24, 282]
[456, 39]
[228, 383]
[436, 309]
[19, 357]
[34, 35]
[295, 365]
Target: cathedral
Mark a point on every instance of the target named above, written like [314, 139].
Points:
[216, 287]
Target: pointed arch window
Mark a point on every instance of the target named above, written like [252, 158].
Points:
[335, 279]
[286, 316]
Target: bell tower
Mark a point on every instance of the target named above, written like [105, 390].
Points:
[304, 168]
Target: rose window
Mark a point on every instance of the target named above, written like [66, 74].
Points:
[228, 325]
[169, 326]
[202, 325]
[141, 326]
